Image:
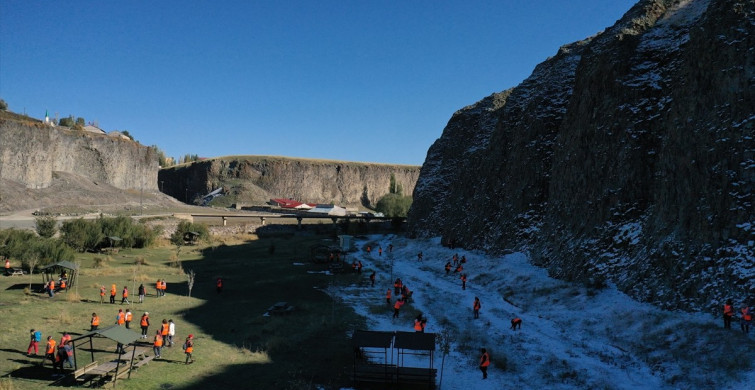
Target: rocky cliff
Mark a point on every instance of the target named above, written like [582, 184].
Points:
[627, 157]
[30, 153]
[257, 179]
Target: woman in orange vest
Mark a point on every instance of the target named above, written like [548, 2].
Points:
[728, 314]
[124, 296]
[165, 329]
[397, 307]
[476, 307]
[128, 318]
[157, 345]
[120, 318]
[50, 350]
[95, 322]
[51, 288]
[746, 319]
[102, 294]
[112, 293]
[144, 324]
[159, 287]
[62, 284]
[484, 363]
[189, 348]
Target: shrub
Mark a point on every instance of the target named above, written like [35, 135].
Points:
[82, 235]
[46, 226]
[25, 245]
[394, 205]
[3, 105]
[68, 122]
[184, 227]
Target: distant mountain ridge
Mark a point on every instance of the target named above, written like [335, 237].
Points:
[627, 157]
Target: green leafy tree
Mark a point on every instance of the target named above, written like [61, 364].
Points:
[177, 238]
[80, 121]
[67, 122]
[46, 225]
[30, 248]
[394, 205]
[394, 187]
[82, 235]
[127, 134]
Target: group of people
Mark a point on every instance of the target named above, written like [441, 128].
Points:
[160, 286]
[56, 353]
[745, 318]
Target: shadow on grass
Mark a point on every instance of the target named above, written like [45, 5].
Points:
[308, 346]
[18, 351]
[35, 287]
[32, 370]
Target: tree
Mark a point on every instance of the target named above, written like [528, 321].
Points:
[127, 134]
[80, 121]
[46, 225]
[394, 205]
[3, 105]
[190, 276]
[67, 122]
[32, 262]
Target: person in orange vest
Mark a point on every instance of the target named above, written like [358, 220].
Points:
[448, 267]
[163, 287]
[165, 330]
[144, 323]
[746, 319]
[102, 294]
[65, 338]
[484, 363]
[50, 350]
[388, 296]
[219, 285]
[516, 323]
[380, 251]
[128, 318]
[157, 344]
[455, 258]
[372, 278]
[113, 290]
[728, 314]
[7, 267]
[94, 323]
[463, 281]
[124, 295]
[459, 268]
[189, 349]
[120, 318]
[369, 249]
[397, 307]
[476, 307]
[62, 284]
[418, 324]
[359, 267]
[397, 285]
[159, 287]
[51, 288]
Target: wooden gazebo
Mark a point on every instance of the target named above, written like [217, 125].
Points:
[380, 357]
[124, 339]
[54, 272]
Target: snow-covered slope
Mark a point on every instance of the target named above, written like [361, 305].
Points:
[572, 337]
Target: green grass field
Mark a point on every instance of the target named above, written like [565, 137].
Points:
[236, 346]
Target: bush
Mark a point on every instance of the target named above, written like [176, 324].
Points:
[394, 205]
[25, 245]
[88, 235]
[68, 122]
[82, 235]
[46, 226]
[184, 227]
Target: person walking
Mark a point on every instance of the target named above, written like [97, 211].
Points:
[476, 307]
[51, 288]
[102, 294]
[484, 363]
[35, 337]
[448, 267]
[142, 293]
[171, 331]
[94, 323]
[158, 288]
[463, 281]
[50, 350]
[388, 297]
[113, 290]
[372, 278]
[157, 344]
[165, 330]
[129, 317]
[380, 251]
[397, 307]
[189, 349]
[144, 323]
[124, 295]
[746, 319]
[728, 314]
[219, 285]
[68, 354]
[64, 339]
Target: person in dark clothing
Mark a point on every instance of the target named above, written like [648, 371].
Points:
[484, 363]
[142, 293]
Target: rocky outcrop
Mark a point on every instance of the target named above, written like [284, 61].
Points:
[257, 179]
[628, 157]
[29, 154]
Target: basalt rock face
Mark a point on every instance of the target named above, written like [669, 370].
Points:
[628, 157]
[29, 154]
[257, 179]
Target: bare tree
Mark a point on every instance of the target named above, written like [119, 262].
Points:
[190, 276]
[444, 339]
[32, 261]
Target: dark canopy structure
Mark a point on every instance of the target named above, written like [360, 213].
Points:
[379, 357]
[56, 270]
[122, 336]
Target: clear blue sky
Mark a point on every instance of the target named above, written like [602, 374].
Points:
[372, 81]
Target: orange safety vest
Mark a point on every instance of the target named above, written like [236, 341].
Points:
[477, 305]
[50, 346]
[102, 291]
[112, 290]
[7, 264]
[121, 318]
[159, 285]
[388, 294]
[165, 329]
[746, 314]
[164, 286]
[125, 293]
[64, 340]
[128, 316]
[728, 311]
[158, 341]
[189, 346]
[398, 304]
[485, 360]
[62, 284]
[96, 320]
[220, 283]
[418, 325]
[145, 320]
[52, 285]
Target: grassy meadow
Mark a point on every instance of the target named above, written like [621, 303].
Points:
[236, 346]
